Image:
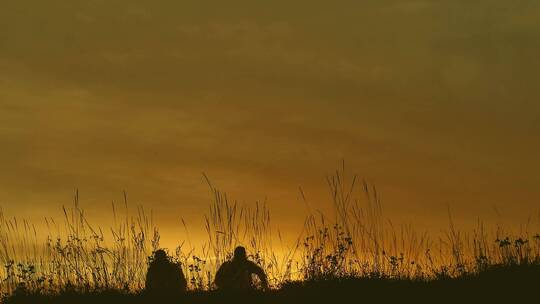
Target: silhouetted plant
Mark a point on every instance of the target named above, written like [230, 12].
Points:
[353, 241]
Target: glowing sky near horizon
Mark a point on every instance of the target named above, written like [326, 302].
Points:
[435, 102]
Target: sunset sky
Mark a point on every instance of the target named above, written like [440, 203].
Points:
[435, 102]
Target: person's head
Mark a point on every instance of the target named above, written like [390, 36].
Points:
[160, 255]
[240, 254]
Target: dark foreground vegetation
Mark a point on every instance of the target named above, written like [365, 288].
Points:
[504, 284]
[351, 255]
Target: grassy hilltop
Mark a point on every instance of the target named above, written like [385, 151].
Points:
[353, 254]
[505, 284]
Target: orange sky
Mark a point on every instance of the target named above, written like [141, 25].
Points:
[436, 102]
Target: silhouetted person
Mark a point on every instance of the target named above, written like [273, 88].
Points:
[164, 277]
[236, 274]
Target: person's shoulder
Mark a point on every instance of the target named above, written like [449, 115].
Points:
[226, 264]
[153, 264]
[253, 264]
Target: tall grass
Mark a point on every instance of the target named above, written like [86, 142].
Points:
[355, 239]
[75, 254]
